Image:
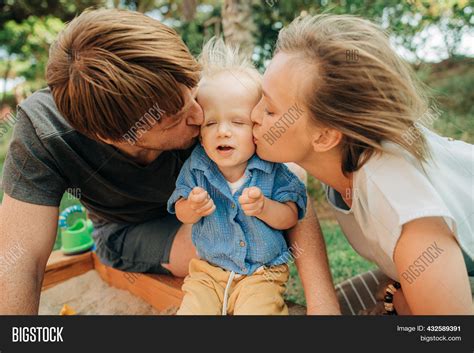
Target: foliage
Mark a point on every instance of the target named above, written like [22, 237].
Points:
[20, 10]
[403, 20]
[26, 47]
[344, 262]
[451, 83]
[29, 26]
[4, 143]
[196, 20]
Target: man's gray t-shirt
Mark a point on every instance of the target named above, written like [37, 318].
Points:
[47, 156]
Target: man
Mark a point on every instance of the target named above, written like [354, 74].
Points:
[117, 122]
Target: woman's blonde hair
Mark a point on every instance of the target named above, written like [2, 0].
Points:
[217, 57]
[361, 87]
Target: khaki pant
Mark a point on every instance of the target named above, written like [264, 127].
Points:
[258, 294]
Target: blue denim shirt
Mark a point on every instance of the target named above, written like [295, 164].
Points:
[228, 238]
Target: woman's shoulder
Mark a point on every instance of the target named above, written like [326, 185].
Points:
[392, 168]
[395, 180]
[396, 165]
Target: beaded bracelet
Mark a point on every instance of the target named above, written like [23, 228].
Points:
[388, 299]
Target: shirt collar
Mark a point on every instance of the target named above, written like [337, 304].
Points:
[200, 161]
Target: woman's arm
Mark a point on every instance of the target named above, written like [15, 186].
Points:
[431, 269]
[309, 251]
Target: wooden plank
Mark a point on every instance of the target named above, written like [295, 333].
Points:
[58, 259]
[162, 292]
[61, 267]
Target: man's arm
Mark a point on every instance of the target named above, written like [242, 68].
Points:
[311, 259]
[27, 234]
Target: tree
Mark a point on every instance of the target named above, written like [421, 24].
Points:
[238, 25]
[26, 46]
[20, 10]
[29, 26]
[256, 23]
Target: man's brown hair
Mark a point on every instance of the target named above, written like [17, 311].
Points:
[109, 67]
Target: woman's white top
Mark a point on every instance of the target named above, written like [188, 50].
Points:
[392, 189]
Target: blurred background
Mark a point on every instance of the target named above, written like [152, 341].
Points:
[436, 37]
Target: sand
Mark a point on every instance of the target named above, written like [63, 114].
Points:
[87, 294]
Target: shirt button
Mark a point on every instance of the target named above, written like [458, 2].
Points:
[233, 205]
[242, 243]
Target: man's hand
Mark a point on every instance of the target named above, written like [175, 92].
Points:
[200, 202]
[252, 201]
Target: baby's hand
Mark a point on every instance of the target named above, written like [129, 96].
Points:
[200, 202]
[252, 201]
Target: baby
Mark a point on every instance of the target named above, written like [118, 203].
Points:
[238, 204]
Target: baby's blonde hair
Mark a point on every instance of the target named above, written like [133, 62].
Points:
[217, 57]
[360, 86]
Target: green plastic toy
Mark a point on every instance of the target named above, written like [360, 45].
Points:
[78, 237]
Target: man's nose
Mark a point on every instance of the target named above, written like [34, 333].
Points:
[196, 116]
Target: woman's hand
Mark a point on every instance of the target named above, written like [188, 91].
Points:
[400, 303]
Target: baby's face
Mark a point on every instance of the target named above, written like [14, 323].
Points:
[227, 100]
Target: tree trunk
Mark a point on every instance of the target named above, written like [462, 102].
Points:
[145, 5]
[189, 9]
[238, 25]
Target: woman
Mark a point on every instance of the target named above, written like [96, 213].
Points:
[340, 103]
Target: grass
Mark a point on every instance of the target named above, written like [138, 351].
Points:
[344, 262]
[4, 143]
